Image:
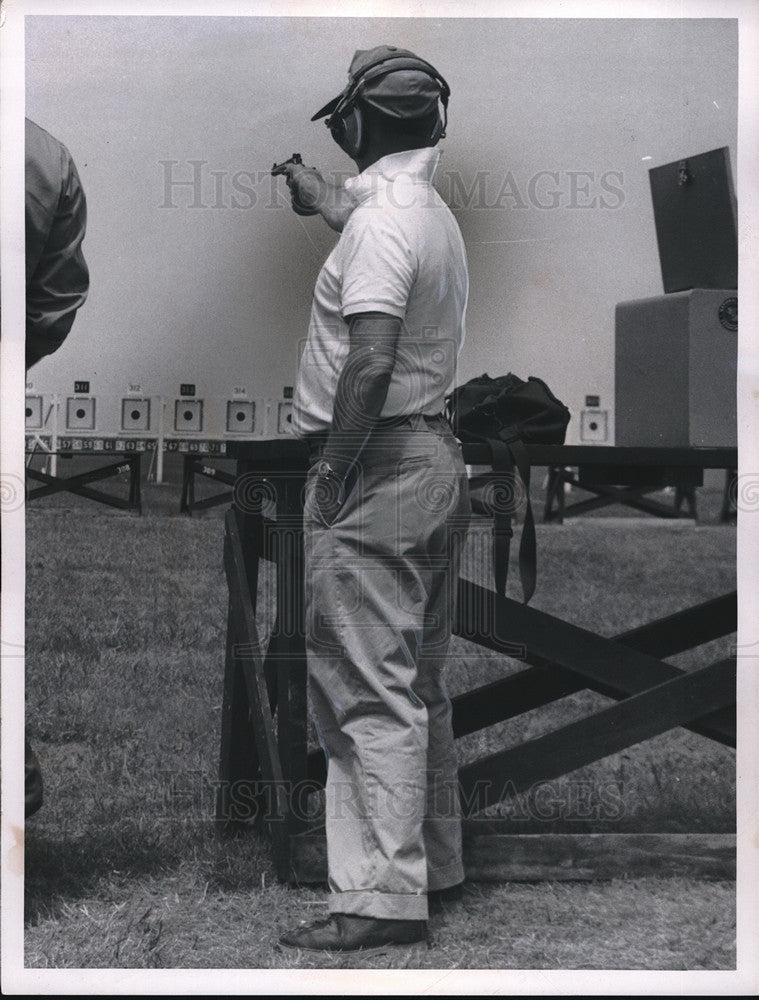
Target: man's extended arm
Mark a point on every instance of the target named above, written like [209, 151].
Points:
[361, 393]
[331, 201]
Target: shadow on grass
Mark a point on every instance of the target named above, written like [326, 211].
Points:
[106, 863]
[66, 868]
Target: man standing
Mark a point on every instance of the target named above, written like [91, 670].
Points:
[387, 506]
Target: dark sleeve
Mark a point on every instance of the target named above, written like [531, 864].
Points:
[57, 275]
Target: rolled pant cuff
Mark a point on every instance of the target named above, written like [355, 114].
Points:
[442, 878]
[382, 905]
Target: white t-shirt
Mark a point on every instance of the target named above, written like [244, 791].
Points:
[400, 253]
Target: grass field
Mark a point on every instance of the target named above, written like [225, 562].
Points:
[124, 868]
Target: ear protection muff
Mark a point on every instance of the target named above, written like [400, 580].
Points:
[347, 128]
[438, 132]
[346, 122]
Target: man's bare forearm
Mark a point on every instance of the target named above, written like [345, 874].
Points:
[362, 389]
[332, 201]
[310, 191]
[336, 206]
[350, 429]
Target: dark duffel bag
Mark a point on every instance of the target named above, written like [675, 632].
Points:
[506, 413]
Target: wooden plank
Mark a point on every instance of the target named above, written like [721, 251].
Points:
[560, 857]
[187, 472]
[213, 501]
[292, 709]
[554, 491]
[259, 536]
[252, 533]
[685, 629]
[89, 494]
[633, 498]
[281, 453]
[248, 651]
[596, 856]
[252, 665]
[532, 688]
[270, 666]
[239, 765]
[506, 626]
[644, 477]
[290, 455]
[631, 721]
[135, 492]
[568, 454]
[604, 665]
[508, 697]
[317, 766]
[729, 511]
[209, 472]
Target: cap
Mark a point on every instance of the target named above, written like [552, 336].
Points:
[395, 81]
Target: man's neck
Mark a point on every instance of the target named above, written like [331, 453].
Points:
[377, 151]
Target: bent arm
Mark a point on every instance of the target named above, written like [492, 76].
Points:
[310, 191]
[337, 206]
[361, 389]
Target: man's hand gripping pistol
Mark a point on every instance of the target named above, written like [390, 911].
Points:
[312, 195]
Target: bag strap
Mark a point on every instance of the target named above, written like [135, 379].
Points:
[528, 551]
[502, 531]
[504, 458]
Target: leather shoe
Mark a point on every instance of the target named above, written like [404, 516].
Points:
[439, 899]
[346, 932]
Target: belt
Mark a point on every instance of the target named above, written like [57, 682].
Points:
[406, 421]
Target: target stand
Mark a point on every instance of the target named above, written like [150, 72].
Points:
[267, 770]
[194, 466]
[626, 475]
[127, 462]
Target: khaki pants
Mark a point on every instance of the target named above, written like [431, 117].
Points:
[380, 589]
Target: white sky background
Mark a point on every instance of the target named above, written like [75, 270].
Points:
[12, 459]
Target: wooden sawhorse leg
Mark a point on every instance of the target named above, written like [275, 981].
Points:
[264, 719]
[729, 511]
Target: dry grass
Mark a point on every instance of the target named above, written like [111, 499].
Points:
[177, 921]
[126, 621]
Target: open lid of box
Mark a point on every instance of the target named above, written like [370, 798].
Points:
[696, 221]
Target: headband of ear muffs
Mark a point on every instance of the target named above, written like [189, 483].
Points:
[346, 120]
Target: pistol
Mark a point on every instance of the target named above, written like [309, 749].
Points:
[279, 168]
[298, 207]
